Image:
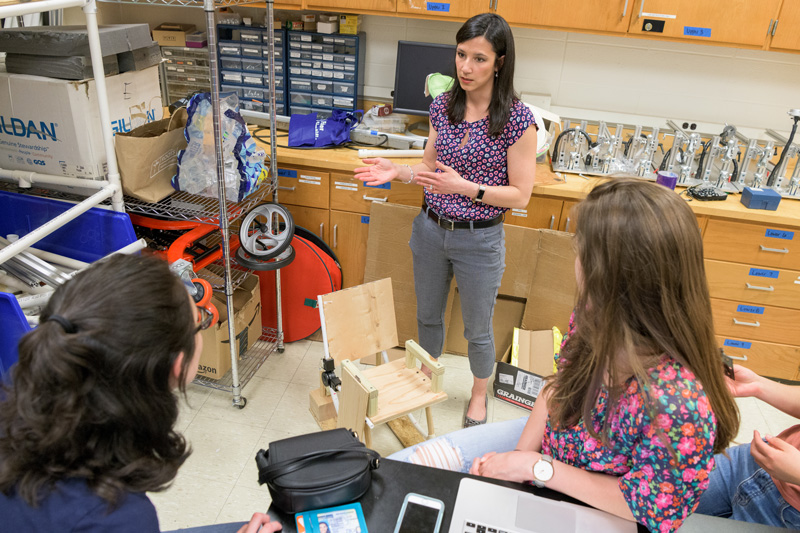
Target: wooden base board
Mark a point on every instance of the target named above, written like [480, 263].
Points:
[404, 430]
[321, 407]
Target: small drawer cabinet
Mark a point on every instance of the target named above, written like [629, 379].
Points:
[244, 66]
[185, 71]
[753, 273]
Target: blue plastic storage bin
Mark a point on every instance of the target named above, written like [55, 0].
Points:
[92, 235]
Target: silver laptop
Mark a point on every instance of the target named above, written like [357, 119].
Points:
[486, 507]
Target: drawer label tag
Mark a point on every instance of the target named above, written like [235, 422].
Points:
[438, 6]
[737, 344]
[310, 182]
[386, 185]
[750, 309]
[364, 219]
[764, 273]
[287, 173]
[696, 32]
[780, 234]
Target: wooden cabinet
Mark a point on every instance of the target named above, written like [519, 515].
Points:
[350, 194]
[354, 6]
[299, 186]
[753, 275]
[567, 222]
[613, 15]
[721, 21]
[349, 232]
[449, 9]
[784, 34]
[313, 219]
[541, 213]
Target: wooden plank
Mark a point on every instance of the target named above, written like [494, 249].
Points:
[415, 352]
[360, 321]
[406, 431]
[354, 399]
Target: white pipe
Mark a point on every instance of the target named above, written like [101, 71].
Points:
[37, 7]
[25, 179]
[52, 225]
[26, 302]
[17, 285]
[131, 248]
[364, 153]
[51, 257]
[90, 9]
[33, 320]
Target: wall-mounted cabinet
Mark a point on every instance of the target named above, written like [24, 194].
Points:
[612, 15]
[354, 6]
[784, 34]
[452, 10]
[746, 22]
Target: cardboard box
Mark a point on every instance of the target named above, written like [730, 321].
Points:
[73, 40]
[53, 126]
[507, 310]
[327, 27]
[519, 377]
[215, 361]
[540, 270]
[349, 24]
[170, 34]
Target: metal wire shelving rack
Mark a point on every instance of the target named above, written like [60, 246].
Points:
[177, 209]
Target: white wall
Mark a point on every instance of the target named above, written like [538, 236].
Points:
[687, 82]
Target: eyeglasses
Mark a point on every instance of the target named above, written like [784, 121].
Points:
[206, 319]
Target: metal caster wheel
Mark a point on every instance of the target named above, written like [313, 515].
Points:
[241, 404]
[280, 350]
[266, 231]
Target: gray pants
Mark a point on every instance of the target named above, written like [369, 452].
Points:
[477, 258]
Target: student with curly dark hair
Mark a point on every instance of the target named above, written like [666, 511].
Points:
[87, 418]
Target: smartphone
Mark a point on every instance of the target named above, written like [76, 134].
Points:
[420, 514]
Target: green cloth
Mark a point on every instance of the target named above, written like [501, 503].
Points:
[436, 84]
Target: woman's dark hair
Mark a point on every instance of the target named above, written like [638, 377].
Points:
[97, 403]
[494, 29]
[643, 293]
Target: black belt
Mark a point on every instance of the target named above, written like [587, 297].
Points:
[450, 225]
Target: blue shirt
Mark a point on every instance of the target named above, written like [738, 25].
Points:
[73, 507]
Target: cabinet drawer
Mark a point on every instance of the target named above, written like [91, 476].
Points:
[762, 323]
[764, 358]
[350, 194]
[755, 244]
[303, 187]
[540, 213]
[735, 281]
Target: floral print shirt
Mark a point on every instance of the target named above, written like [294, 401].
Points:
[481, 159]
[660, 491]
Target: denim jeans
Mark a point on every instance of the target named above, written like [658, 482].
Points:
[230, 527]
[742, 490]
[477, 259]
[474, 442]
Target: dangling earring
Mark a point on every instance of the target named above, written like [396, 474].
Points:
[496, 73]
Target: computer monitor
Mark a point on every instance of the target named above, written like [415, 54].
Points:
[414, 62]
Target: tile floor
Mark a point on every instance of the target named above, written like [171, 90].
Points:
[219, 483]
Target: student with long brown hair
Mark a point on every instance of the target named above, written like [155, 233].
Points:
[630, 422]
[87, 418]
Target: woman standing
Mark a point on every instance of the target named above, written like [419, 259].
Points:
[479, 162]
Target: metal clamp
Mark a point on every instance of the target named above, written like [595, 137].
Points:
[741, 323]
[757, 288]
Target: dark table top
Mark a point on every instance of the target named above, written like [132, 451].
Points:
[393, 480]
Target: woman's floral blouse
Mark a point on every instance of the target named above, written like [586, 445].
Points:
[661, 489]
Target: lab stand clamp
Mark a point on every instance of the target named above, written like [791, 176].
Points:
[725, 162]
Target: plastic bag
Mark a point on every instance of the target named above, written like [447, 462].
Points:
[244, 161]
[307, 130]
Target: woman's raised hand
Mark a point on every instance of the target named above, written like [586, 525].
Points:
[379, 172]
[746, 384]
[444, 181]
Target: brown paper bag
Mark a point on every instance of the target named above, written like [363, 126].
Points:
[148, 157]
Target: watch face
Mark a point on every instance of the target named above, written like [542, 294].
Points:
[543, 470]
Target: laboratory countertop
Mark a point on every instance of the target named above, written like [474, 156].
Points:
[551, 184]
